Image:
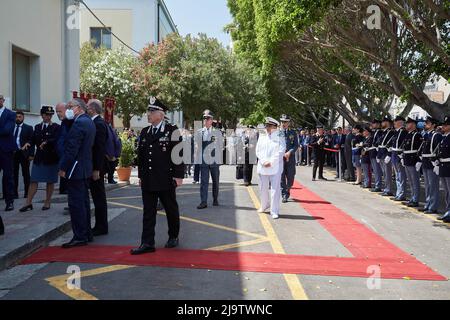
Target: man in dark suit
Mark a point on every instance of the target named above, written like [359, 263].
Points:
[7, 147]
[97, 183]
[350, 174]
[23, 137]
[76, 167]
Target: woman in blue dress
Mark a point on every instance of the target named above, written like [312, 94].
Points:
[45, 163]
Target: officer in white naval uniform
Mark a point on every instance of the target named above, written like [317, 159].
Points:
[269, 151]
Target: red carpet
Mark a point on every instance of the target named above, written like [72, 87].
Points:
[237, 261]
[367, 247]
[361, 241]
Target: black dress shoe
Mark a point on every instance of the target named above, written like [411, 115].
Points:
[376, 190]
[112, 182]
[202, 206]
[25, 196]
[285, 200]
[44, 208]
[9, 207]
[430, 211]
[144, 248]
[27, 208]
[172, 243]
[74, 243]
[323, 178]
[413, 205]
[216, 203]
[423, 209]
[387, 194]
[97, 233]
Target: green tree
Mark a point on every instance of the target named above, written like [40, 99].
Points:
[197, 73]
[112, 73]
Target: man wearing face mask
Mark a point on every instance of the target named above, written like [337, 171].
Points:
[66, 124]
[76, 167]
[23, 136]
[45, 164]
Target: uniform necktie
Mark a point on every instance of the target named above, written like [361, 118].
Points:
[154, 130]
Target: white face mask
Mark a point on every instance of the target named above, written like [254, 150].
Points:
[70, 114]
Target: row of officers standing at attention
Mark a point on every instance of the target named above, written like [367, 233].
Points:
[397, 148]
[74, 151]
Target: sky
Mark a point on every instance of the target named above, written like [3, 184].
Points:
[201, 16]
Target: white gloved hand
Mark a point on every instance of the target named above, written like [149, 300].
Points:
[387, 160]
[403, 162]
[418, 166]
[436, 170]
[378, 160]
[436, 163]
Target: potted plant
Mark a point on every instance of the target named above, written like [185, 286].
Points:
[127, 156]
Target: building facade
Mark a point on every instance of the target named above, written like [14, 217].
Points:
[38, 66]
[137, 23]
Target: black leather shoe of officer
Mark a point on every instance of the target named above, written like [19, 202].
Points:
[74, 243]
[430, 211]
[285, 200]
[9, 207]
[413, 205]
[216, 203]
[144, 248]
[172, 243]
[323, 178]
[422, 209]
[202, 206]
[376, 190]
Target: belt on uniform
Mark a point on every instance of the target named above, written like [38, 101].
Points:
[397, 150]
[431, 155]
[354, 149]
[410, 151]
[371, 148]
[382, 147]
[444, 160]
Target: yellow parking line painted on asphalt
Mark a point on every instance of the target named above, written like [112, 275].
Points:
[60, 282]
[238, 244]
[209, 224]
[292, 280]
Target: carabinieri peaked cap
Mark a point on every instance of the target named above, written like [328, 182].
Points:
[156, 105]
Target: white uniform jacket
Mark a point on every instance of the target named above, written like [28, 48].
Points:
[270, 149]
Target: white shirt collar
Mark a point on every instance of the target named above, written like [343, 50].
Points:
[2, 109]
[158, 126]
[93, 118]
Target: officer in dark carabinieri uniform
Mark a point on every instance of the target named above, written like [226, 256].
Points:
[431, 142]
[288, 175]
[442, 166]
[411, 146]
[159, 176]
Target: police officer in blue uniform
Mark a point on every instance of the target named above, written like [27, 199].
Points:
[211, 140]
[396, 152]
[410, 155]
[372, 149]
[288, 175]
[431, 142]
[384, 156]
[442, 166]
[159, 176]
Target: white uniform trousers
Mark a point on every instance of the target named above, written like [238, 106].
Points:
[272, 200]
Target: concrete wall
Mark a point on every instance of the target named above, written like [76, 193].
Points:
[39, 29]
[119, 20]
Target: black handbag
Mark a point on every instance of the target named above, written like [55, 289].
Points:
[239, 172]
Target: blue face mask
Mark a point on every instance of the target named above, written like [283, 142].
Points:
[70, 115]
